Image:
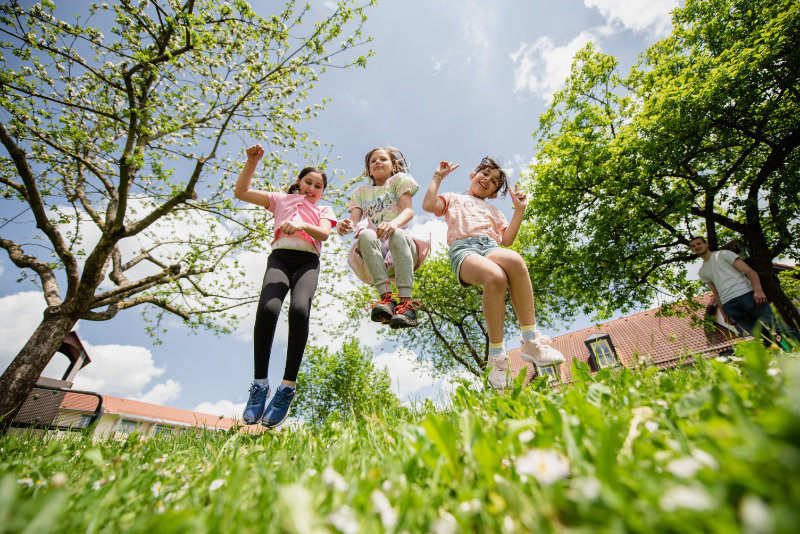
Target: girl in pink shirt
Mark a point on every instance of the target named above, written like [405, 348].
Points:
[475, 231]
[293, 265]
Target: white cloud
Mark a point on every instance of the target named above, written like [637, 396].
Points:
[413, 381]
[123, 370]
[162, 393]
[20, 314]
[542, 67]
[362, 104]
[127, 371]
[437, 66]
[224, 408]
[643, 16]
[432, 227]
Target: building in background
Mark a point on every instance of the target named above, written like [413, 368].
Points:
[640, 339]
[54, 404]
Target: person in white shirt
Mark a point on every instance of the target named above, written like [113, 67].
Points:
[737, 289]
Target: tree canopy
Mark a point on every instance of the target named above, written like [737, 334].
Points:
[345, 382]
[700, 138]
[115, 126]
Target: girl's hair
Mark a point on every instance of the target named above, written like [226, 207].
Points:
[399, 163]
[489, 163]
[295, 187]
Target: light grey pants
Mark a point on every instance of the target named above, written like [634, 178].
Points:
[404, 254]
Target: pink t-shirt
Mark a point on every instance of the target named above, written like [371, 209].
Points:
[295, 207]
[468, 216]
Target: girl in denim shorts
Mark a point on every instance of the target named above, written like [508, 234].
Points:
[476, 235]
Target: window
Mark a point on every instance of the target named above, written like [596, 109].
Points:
[602, 353]
[128, 426]
[162, 429]
[549, 370]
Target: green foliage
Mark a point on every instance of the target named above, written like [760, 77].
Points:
[342, 384]
[700, 138]
[709, 448]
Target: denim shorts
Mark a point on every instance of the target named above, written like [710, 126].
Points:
[461, 248]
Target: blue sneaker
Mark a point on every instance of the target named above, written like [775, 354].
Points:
[278, 408]
[254, 410]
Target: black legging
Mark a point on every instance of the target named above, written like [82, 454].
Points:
[294, 270]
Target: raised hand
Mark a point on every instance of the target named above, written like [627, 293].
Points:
[519, 199]
[254, 152]
[445, 168]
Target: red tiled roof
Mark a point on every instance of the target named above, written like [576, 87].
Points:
[662, 341]
[167, 415]
[139, 410]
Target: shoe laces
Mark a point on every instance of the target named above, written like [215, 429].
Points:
[387, 296]
[499, 361]
[257, 392]
[283, 397]
[407, 305]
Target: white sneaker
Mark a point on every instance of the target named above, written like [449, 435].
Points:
[499, 377]
[539, 351]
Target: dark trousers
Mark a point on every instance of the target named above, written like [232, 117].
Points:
[287, 270]
[747, 314]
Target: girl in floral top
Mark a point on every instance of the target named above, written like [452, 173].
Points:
[385, 206]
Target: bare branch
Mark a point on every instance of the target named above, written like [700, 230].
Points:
[38, 209]
[45, 271]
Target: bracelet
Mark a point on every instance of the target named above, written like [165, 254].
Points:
[437, 175]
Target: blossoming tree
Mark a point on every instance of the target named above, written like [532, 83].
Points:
[115, 163]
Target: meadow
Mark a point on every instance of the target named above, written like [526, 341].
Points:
[711, 447]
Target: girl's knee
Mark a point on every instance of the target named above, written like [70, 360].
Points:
[400, 240]
[299, 312]
[367, 236]
[495, 279]
[514, 265]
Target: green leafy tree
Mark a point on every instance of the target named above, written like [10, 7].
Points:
[114, 151]
[345, 382]
[700, 138]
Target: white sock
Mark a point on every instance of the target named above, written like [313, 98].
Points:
[528, 332]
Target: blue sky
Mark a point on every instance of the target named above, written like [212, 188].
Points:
[451, 79]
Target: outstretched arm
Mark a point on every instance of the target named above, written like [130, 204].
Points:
[431, 202]
[242, 190]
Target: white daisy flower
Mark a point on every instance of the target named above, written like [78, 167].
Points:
[546, 466]
[384, 508]
[686, 497]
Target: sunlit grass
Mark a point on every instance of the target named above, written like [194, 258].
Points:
[712, 447]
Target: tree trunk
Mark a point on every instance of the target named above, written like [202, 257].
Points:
[21, 375]
[772, 289]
